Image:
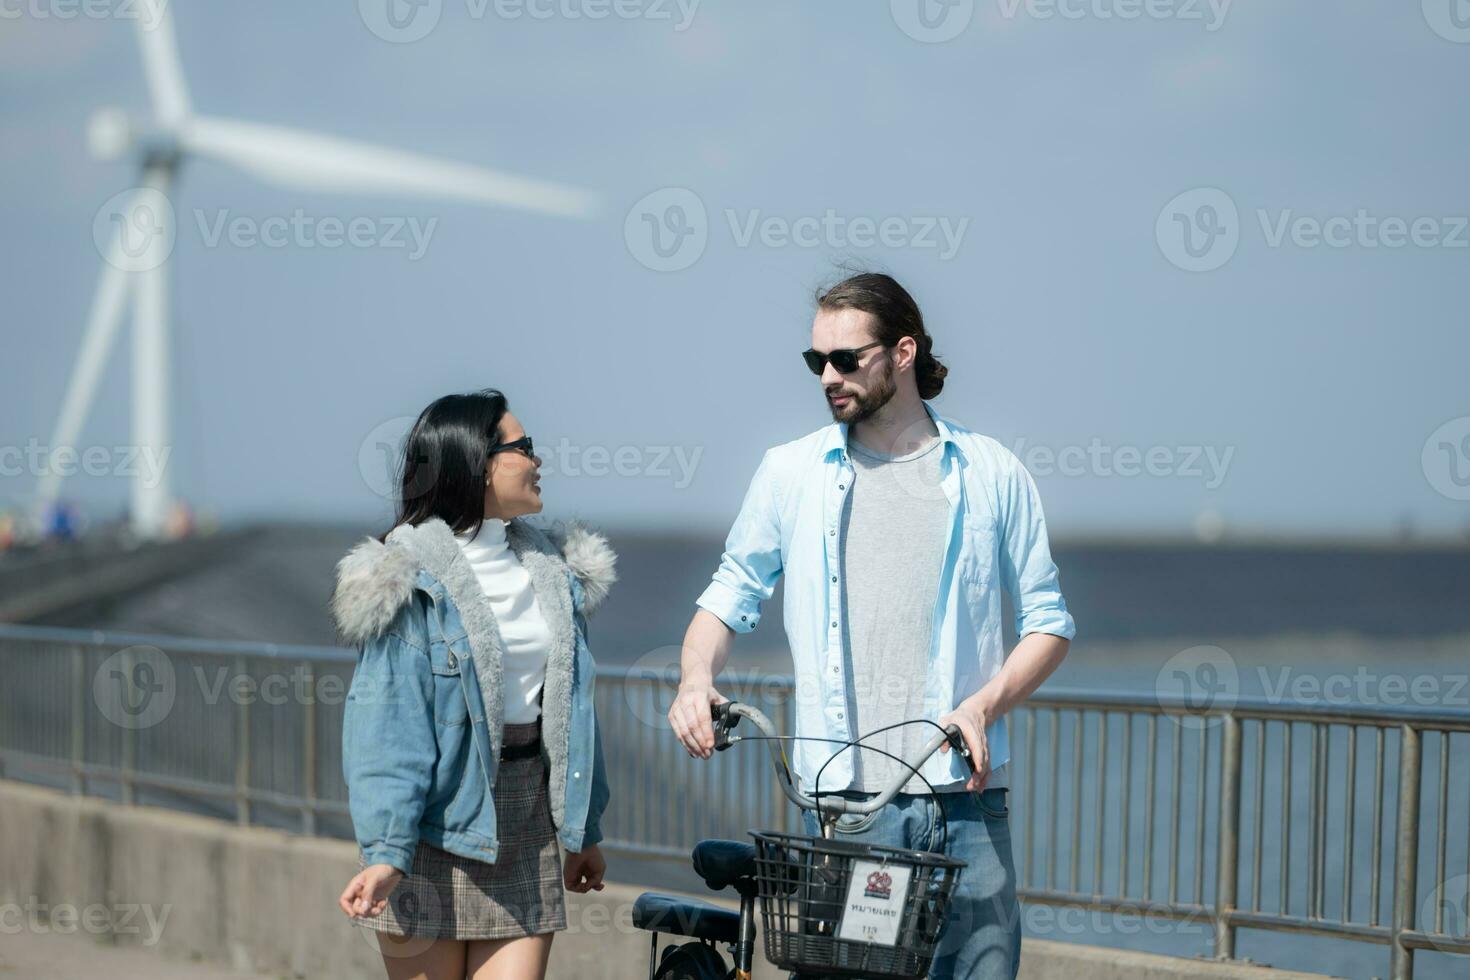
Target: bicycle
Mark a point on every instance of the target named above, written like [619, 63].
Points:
[829, 908]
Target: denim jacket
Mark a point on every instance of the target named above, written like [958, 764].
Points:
[424, 718]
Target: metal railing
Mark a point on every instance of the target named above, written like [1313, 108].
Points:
[1224, 780]
[1270, 806]
[252, 732]
[249, 731]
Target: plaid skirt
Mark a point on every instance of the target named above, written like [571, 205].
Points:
[521, 894]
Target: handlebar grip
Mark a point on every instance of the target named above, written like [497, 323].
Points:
[957, 742]
[724, 720]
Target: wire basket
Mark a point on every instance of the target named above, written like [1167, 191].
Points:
[894, 912]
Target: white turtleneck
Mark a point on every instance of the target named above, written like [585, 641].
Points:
[523, 630]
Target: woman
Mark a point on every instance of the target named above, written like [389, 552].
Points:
[470, 746]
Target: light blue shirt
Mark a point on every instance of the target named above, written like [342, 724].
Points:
[790, 523]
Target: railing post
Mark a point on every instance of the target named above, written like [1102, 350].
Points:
[1406, 853]
[129, 733]
[308, 751]
[78, 720]
[1227, 859]
[242, 746]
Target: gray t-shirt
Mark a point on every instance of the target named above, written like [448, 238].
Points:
[895, 526]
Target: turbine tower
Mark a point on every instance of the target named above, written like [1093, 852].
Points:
[137, 258]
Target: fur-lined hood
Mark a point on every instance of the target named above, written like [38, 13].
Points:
[376, 579]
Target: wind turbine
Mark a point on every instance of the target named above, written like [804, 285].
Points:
[139, 271]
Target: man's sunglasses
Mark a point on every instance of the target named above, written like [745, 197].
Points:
[521, 445]
[844, 360]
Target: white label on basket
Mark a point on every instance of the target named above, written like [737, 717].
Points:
[875, 901]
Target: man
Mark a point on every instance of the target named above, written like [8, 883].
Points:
[896, 532]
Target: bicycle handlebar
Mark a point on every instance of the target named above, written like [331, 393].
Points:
[728, 714]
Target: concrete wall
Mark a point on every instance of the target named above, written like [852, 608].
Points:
[266, 901]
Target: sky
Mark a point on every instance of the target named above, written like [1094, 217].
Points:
[1202, 266]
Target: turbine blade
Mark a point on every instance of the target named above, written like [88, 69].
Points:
[305, 161]
[161, 61]
[108, 305]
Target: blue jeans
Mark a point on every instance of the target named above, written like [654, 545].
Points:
[981, 936]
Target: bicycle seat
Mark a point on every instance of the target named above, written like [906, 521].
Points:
[686, 917]
[722, 863]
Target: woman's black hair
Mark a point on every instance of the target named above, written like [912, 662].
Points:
[445, 457]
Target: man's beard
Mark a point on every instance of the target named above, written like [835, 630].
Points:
[865, 405]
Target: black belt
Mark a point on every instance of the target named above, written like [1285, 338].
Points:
[525, 750]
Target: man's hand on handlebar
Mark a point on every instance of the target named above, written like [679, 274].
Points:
[689, 716]
[972, 723]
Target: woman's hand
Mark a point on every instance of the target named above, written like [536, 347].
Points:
[584, 869]
[367, 893]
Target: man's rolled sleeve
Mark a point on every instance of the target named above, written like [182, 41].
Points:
[1027, 570]
[751, 564]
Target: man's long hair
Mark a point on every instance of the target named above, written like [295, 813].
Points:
[897, 316]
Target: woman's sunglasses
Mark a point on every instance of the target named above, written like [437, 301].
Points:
[521, 445]
[844, 360]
